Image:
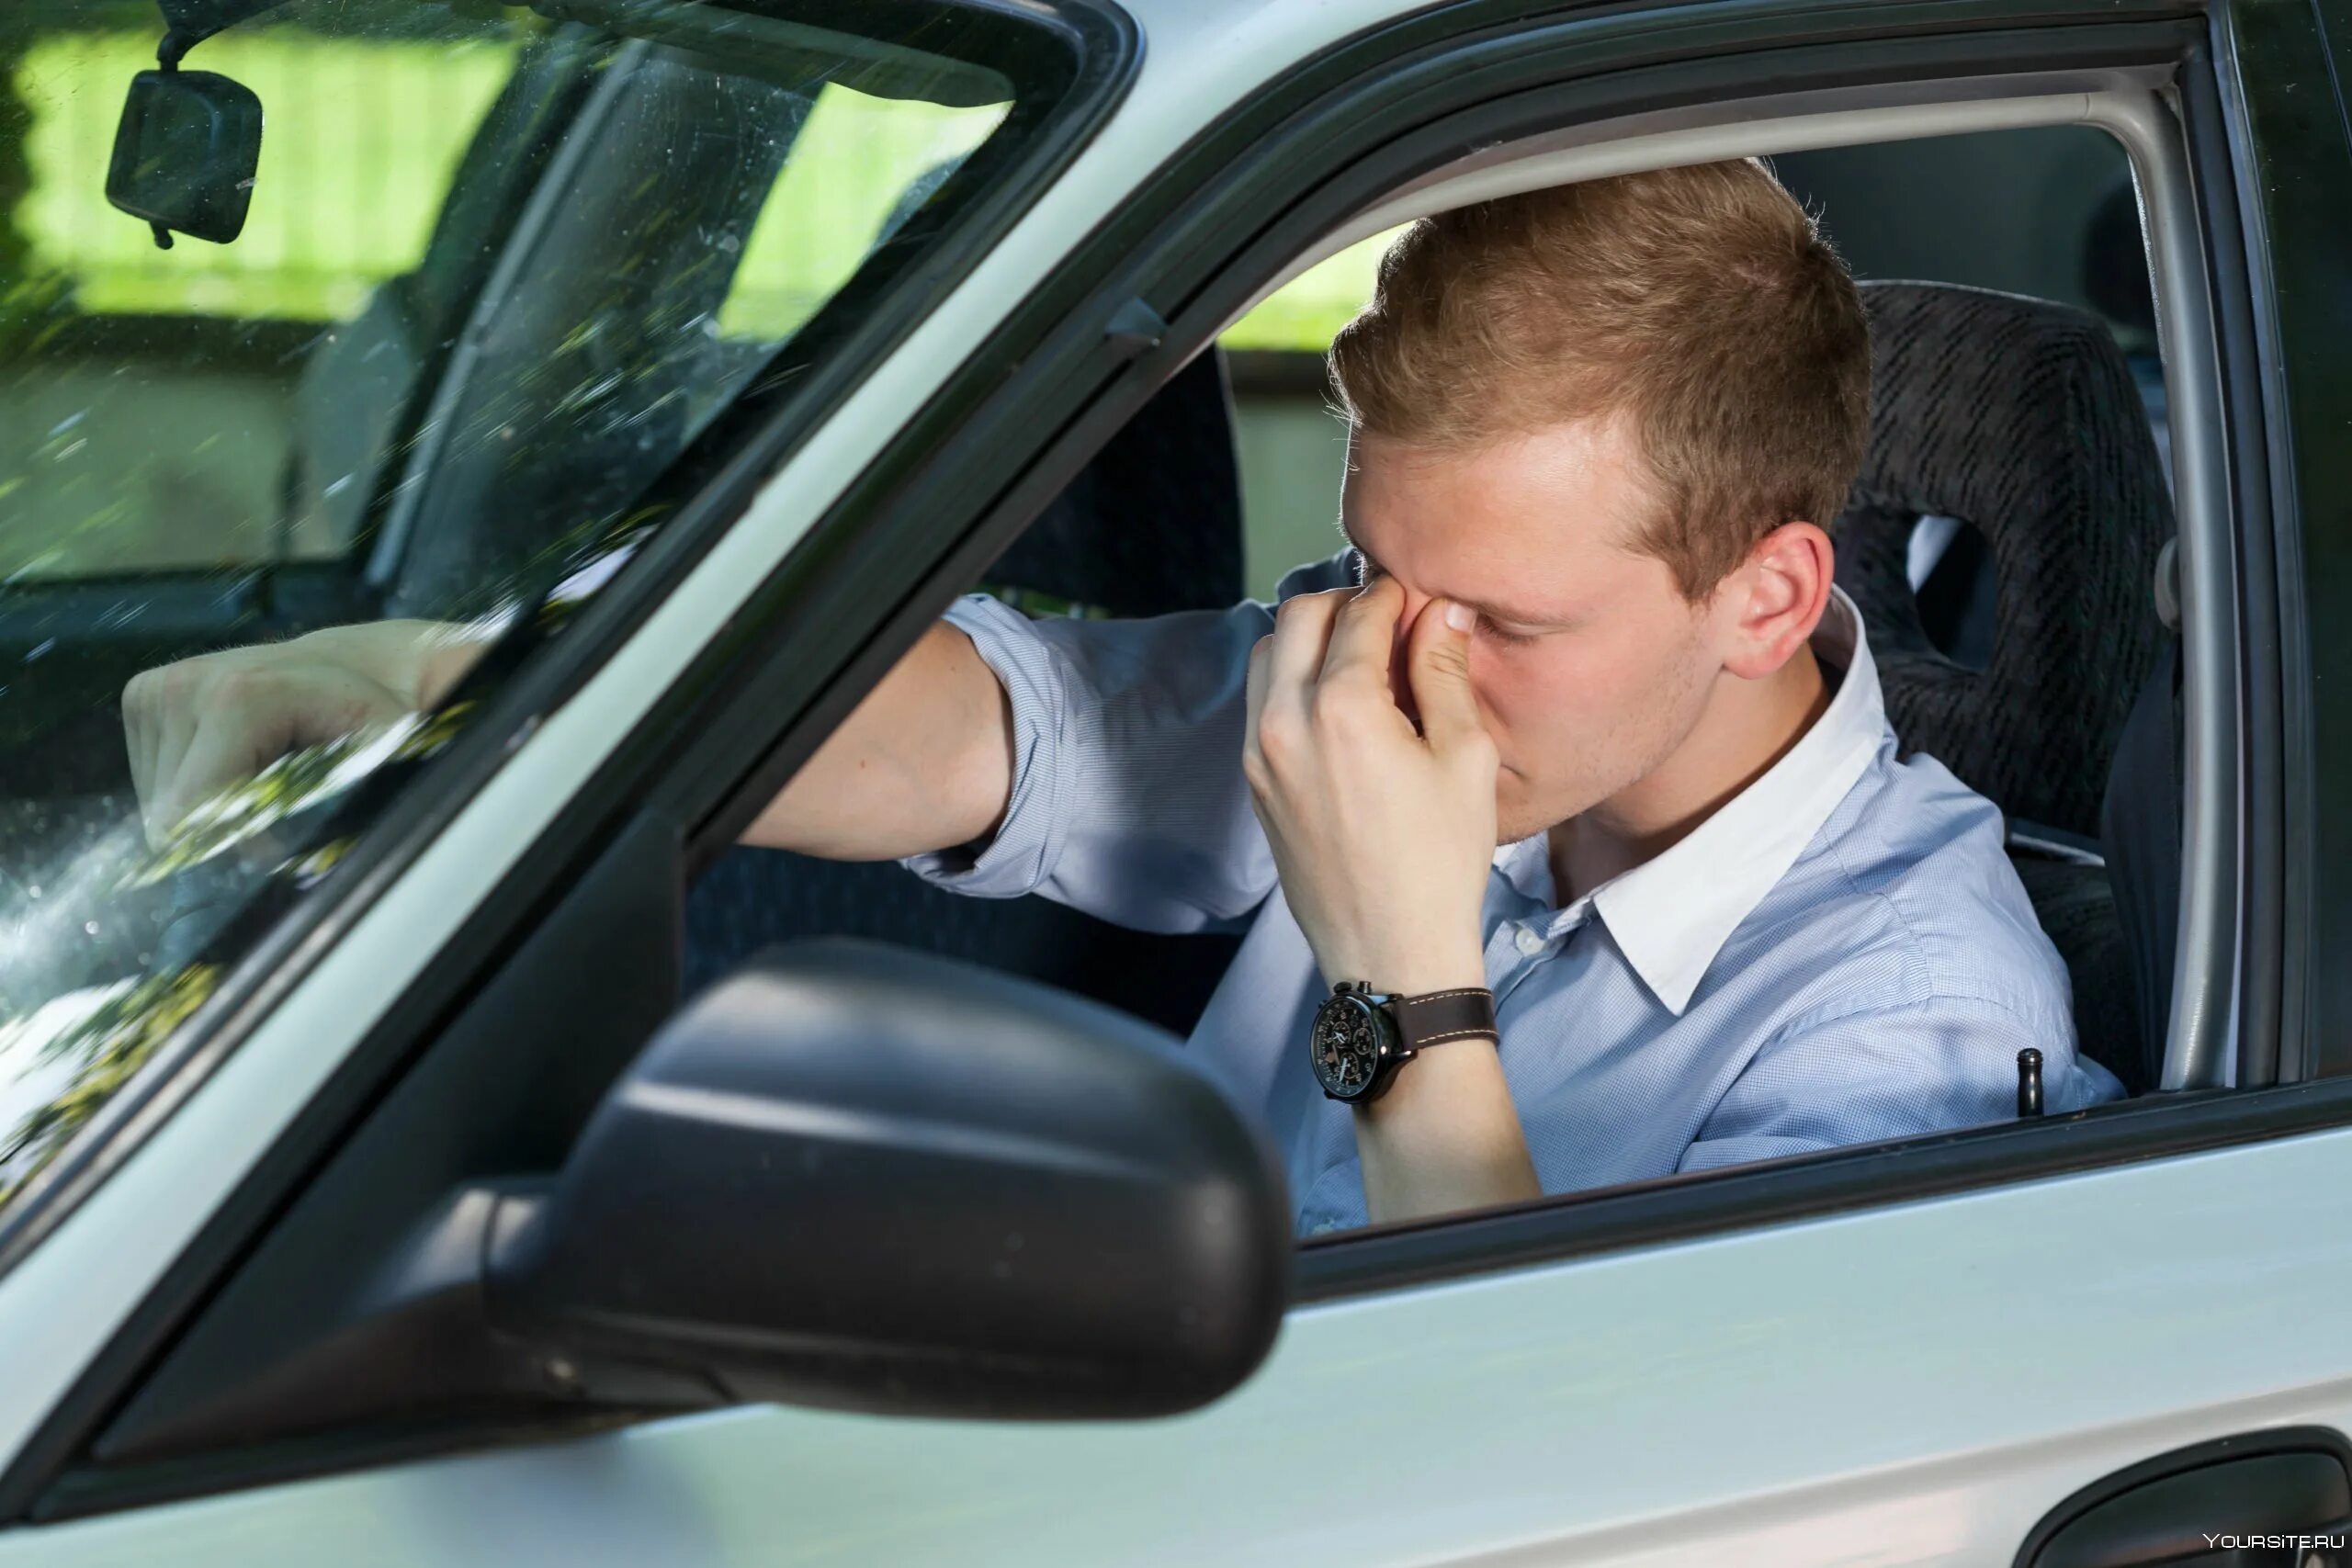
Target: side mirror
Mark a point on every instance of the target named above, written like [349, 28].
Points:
[186, 153]
[860, 1177]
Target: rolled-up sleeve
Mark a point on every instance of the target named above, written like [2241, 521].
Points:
[1127, 801]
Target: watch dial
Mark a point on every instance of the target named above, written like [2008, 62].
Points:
[1347, 1046]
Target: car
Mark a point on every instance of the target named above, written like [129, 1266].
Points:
[450, 1147]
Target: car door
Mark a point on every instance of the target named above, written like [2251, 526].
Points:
[2076, 1338]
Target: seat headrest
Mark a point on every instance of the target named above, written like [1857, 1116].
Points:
[2021, 418]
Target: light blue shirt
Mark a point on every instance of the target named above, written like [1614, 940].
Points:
[1840, 953]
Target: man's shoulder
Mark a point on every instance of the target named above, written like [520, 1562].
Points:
[1905, 897]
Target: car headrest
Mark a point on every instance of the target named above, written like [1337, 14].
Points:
[2020, 418]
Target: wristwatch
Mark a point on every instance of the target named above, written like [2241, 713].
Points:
[1359, 1039]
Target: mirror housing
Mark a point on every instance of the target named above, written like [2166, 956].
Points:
[870, 1179]
[186, 153]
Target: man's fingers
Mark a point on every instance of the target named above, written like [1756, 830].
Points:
[1302, 631]
[1364, 634]
[135, 736]
[171, 729]
[1254, 695]
[1438, 666]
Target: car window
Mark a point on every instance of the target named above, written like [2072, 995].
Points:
[2045, 276]
[457, 401]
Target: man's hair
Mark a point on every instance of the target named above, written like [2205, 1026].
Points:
[1703, 303]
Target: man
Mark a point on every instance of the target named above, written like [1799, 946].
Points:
[1595, 433]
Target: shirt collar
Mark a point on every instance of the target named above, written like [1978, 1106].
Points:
[1672, 914]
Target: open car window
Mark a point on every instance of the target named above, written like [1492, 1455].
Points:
[653, 211]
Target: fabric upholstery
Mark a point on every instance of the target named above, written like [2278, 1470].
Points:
[2142, 831]
[2076, 906]
[2021, 418]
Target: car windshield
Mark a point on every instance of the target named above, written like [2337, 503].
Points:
[506, 273]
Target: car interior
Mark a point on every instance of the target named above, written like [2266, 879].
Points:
[2003, 542]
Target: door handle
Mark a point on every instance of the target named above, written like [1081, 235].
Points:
[2279, 1498]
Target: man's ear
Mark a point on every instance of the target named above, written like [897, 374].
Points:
[1775, 598]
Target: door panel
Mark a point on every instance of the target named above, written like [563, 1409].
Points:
[1918, 1385]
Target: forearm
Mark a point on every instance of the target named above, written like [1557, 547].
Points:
[925, 762]
[417, 661]
[1446, 1137]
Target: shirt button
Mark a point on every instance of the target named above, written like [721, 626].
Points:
[1530, 941]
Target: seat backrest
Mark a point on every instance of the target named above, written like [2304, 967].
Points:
[2021, 418]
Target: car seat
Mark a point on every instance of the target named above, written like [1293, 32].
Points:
[2020, 418]
[1152, 524]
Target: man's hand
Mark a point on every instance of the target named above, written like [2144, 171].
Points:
[1383, 838]
[194, 728]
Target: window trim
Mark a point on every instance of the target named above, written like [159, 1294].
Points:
[1576, 1225]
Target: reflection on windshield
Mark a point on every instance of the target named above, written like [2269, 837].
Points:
[602, 233]
[70, 1056]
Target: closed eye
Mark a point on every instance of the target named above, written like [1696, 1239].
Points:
[1497, 634]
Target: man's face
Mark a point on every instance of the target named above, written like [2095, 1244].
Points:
[1589, 666]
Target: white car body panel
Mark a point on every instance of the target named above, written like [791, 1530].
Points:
[1908, 1385]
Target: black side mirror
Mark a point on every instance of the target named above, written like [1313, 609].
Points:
[185, 154]
[861, 1176]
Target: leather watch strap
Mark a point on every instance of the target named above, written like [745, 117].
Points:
[1435, 1017]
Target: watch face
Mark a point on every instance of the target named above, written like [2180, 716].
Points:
[1346, 1047]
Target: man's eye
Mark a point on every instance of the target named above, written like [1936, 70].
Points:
[1513, 640]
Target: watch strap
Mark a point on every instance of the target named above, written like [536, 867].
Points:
[1435, 1017]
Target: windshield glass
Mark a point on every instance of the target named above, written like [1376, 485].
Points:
[503, 268]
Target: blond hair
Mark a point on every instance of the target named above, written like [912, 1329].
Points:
[1702, 303]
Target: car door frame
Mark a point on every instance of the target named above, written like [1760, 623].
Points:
[1098, 365]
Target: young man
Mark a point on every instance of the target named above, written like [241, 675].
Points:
[1576, 757]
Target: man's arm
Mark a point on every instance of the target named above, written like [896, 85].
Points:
[194, 727]
[922, 764]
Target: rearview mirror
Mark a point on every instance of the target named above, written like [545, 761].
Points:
[185, 154]
[855, 1175]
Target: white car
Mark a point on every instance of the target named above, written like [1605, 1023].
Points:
[414, 1162]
